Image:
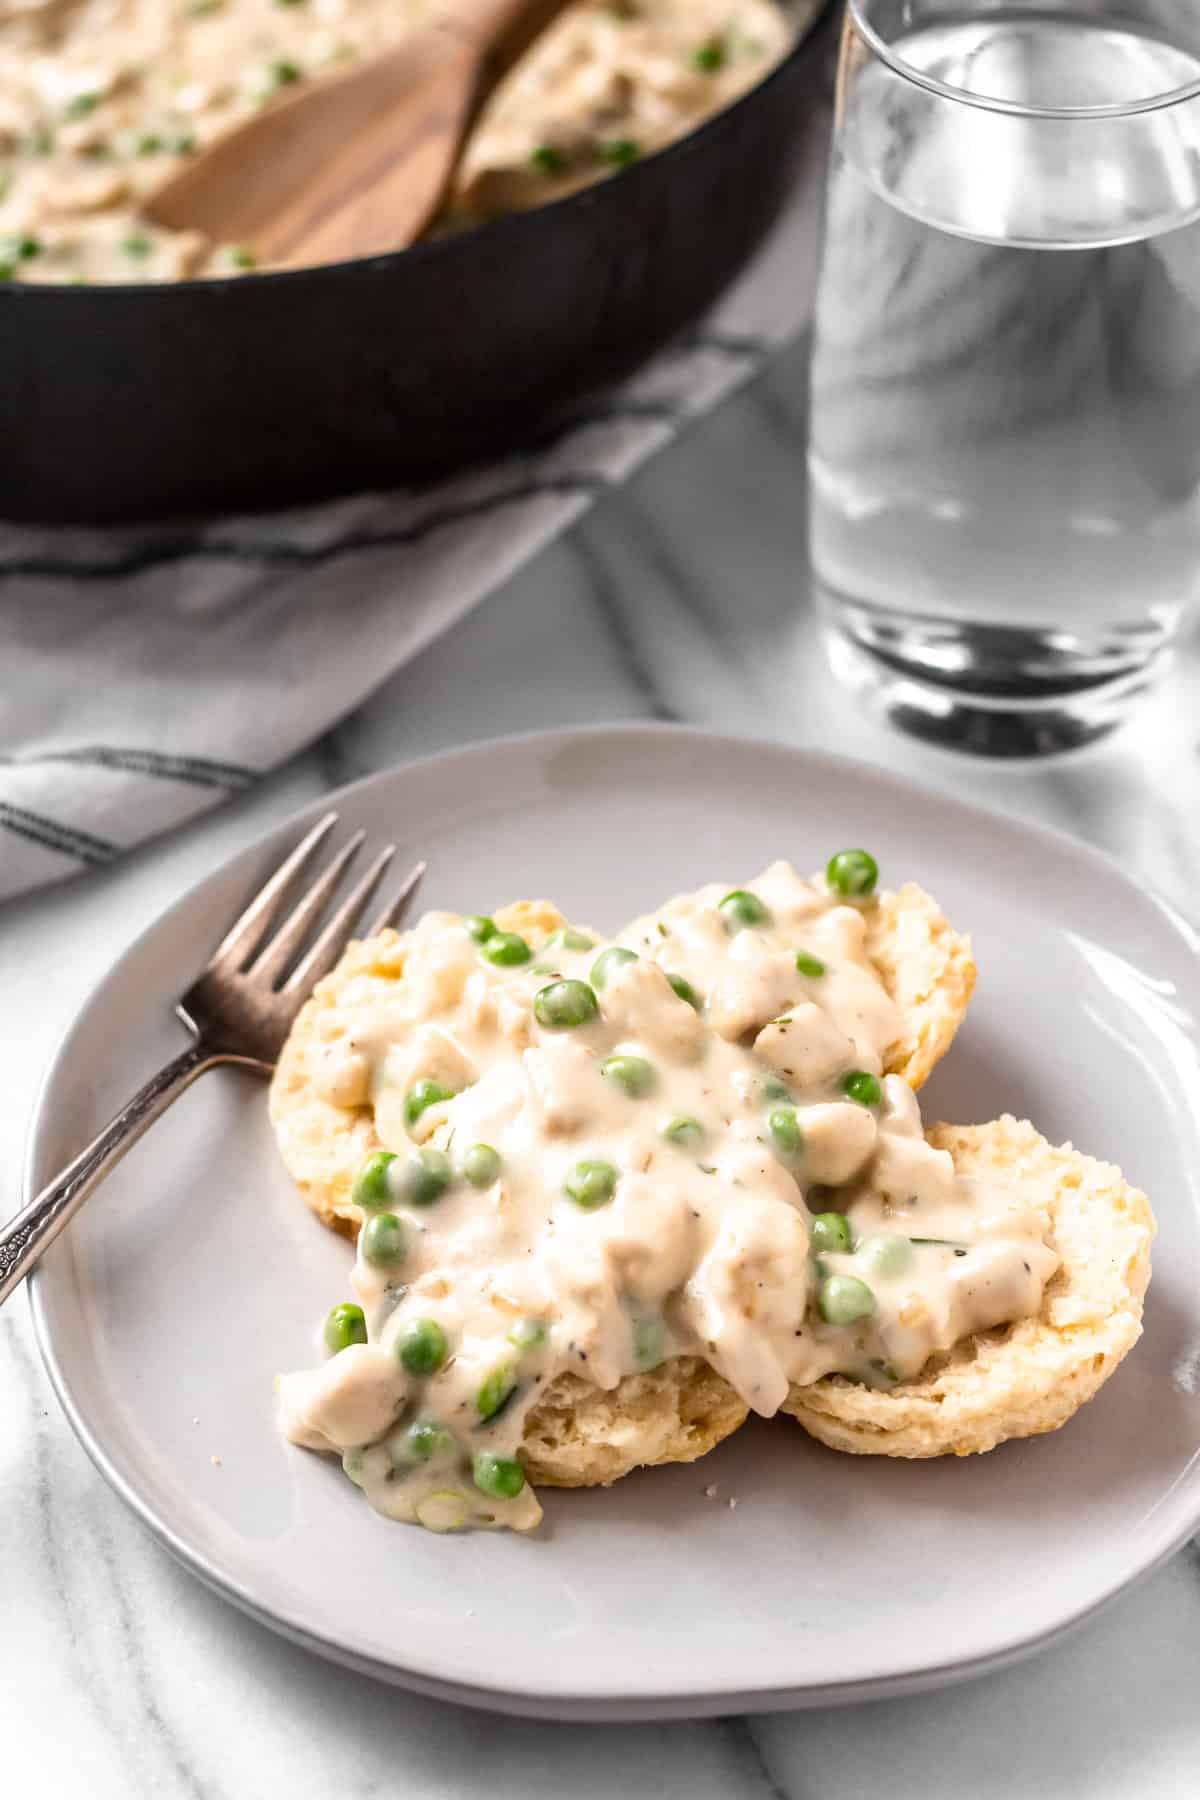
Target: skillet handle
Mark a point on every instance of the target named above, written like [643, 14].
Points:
[24, 1239]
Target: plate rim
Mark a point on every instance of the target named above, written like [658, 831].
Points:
[510, 1696]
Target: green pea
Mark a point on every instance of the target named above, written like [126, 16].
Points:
[480, 927]
[685, 990]
[529, 1334]
[886, 1254]
[500, 1476]
[591, 1184]
[861, 1087]
[785, 1131]
[683, 1130]
[138, 246]
[481, 1165]
[619, 151]
[852, 873]
[148, 144]
[425, 1439]
[507, 949]
[283, 72]
[774, 1089]
[422, 1347]
[709, 57]
[564, 1004]
[739, 909]
[808, 964]
[8, 270]
[632, 1074]
[829, 1231]
[344, 1326]
[569, 939]
[495, 1390]
[844, 1299]
[607, 964]
[421, 1096]
[22, 248]
[239, 256]
[548, 159]
[425, 1175]
[649, 1343]
[81, 106]
[384, 1241]
[372, 1185]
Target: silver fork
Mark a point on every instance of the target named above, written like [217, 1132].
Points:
[239, 1010]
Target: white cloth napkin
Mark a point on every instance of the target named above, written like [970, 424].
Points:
[148, 672]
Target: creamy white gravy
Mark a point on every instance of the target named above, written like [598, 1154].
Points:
[753, 1213]
[101, 99]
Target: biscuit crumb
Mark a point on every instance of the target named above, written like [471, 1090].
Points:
[732, 1501]
[710, 1492]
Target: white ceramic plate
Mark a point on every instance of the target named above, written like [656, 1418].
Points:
[196, 1274]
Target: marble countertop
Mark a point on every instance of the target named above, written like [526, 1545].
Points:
[680, 597]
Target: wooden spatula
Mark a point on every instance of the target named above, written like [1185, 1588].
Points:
[358, 163]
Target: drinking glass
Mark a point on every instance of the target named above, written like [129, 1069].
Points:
[1004, 458]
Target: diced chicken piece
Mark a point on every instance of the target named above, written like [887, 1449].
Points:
[756, 982]
[839, 1138]
[788, 896]
[564, 1086]
[349, 1400]
[900, 1112]
[805, 1046]
[592, 1321]
[997, 1282]
[649, 1234]
[639, 1001]
[746, 1162]
[906, 1168]
[752, 1283]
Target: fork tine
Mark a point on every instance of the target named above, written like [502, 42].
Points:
[395, 911]
[247, 932]
[318, 960]
[270, 964]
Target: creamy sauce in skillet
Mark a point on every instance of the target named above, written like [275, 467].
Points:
[101, 99]
[599, 1179]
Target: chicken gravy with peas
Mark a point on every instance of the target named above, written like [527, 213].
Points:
[596, 1158]
[101, 100]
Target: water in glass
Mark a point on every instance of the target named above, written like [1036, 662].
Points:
[1005, 445]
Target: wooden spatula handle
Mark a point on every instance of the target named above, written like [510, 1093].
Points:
[501, 30]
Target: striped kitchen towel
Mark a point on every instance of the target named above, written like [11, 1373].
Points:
[147, 673]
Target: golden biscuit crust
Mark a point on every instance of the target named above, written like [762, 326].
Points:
[929, 971]
[1023, 1379]
[579, 1435]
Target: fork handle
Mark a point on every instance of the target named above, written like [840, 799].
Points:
[25, 1238]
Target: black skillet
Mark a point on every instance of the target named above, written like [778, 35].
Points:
[223, 395]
